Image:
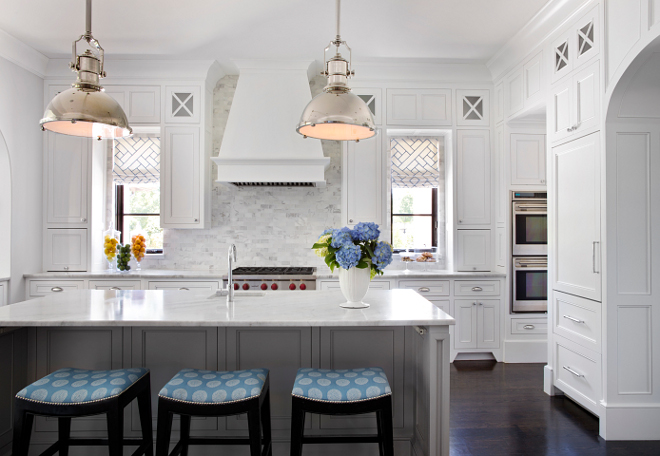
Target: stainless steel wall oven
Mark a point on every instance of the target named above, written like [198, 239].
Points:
[530, 223]
[530, 284]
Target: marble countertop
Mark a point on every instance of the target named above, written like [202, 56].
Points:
[201, 275]
[100, 308]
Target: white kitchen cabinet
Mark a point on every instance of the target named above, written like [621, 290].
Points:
[477, 323]
[362, 189]
[66, 250]
[114, 285]
[140, 103]
[473, 177]
[533, 81]
[575, 106]
[473, 250]
[181, 176]
[500, 246]
[419, 107]
[182, 104]
[501, 189]
[514, 99]
[473, 107]
[528, 159]
[576, 231]
[210, 286]
[38, 288]
[67, 180]
[3, 293]
[499, 102]
[576, 45]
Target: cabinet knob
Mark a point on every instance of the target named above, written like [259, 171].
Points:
[460, 221]
[474, 303]
[350, 221]
[481, 303]
[66, 268]
[84, 220]
[196, 220]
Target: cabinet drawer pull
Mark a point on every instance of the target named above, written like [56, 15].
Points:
[568, 317]
[115, 288]
[184, 289]
[56, 289]
[573, 372]
[424, 289]
[477, 289]
[66, 268]
[529, 327]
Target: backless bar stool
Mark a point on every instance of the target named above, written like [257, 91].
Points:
[194, 392]
[342, 392]
[70, 393]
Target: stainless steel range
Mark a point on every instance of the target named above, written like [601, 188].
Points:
[273, 278]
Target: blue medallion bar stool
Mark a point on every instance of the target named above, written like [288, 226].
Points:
[342, 392]
[194, 392]
[70, 393]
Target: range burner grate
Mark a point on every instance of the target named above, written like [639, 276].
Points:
[274, 270]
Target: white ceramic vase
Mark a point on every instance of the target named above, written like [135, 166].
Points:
[354, 284]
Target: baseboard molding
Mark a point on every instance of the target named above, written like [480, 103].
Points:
[630, 422]
[474, 357]
[525, 351]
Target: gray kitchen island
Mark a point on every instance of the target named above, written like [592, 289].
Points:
[166, 331]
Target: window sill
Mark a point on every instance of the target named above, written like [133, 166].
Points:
[154, 256]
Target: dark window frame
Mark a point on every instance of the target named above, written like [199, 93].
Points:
[433, 215]
[120, 214]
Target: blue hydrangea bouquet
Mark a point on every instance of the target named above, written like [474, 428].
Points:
[358, 247]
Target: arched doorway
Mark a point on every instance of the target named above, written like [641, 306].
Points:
[5, 209]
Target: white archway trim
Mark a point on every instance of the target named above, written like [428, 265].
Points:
[5, 209]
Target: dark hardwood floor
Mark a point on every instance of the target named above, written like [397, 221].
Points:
[501, 409]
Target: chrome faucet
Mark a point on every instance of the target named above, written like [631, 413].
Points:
[230, 278]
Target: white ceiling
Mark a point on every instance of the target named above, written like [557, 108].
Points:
[290, 29]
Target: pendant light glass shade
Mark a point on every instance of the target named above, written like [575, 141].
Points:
[337, 114]
[85, 110]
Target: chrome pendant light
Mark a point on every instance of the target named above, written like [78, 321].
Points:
[85, 110]
[337, 114]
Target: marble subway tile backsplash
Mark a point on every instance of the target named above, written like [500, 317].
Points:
[270, 226]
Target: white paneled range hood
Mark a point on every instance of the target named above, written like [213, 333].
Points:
[260, 146]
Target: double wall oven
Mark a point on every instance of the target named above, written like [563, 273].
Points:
[529, 251]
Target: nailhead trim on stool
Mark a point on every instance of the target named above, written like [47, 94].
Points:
[342, 392]
[194, 392]
[68, 393]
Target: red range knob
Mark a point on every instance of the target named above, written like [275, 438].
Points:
[246, 286]
[292, 286]
[274, 286]
[303, 286]
[264, 286]
[235, 286]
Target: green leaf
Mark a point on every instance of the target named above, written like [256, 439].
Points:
[319, 246]
[331, 249]
[362, 265]
[371, 252]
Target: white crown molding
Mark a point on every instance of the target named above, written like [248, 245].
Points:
[551, 17]
[417, 71]
[142, 69]
[22, 55]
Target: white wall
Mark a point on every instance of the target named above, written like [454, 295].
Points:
[21, 108]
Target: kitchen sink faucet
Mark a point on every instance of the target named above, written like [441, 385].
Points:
[231, 258]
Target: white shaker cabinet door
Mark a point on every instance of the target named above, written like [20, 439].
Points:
[67, 171]
[586, 90]
[473, 250]
[473, 176]
[576, 217]
[527, 159]
[465, 331]
[560, 111]
[362, 193]
[65, 250]
[488, 323]
[181, 178]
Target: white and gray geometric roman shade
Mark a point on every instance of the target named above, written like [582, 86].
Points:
[136, 160]
[415, 162]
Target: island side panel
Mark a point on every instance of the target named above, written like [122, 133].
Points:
[431, 436]
[165, 351]
[281, 350]
[13, 377]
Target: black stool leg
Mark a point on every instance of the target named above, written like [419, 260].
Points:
[115, 418]
[144, 407]
[22, 431]
[254, 430]
[63, 433]
[163, 429]
[185, 434]
[385, 431]
[297, 427]
[265, 424]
